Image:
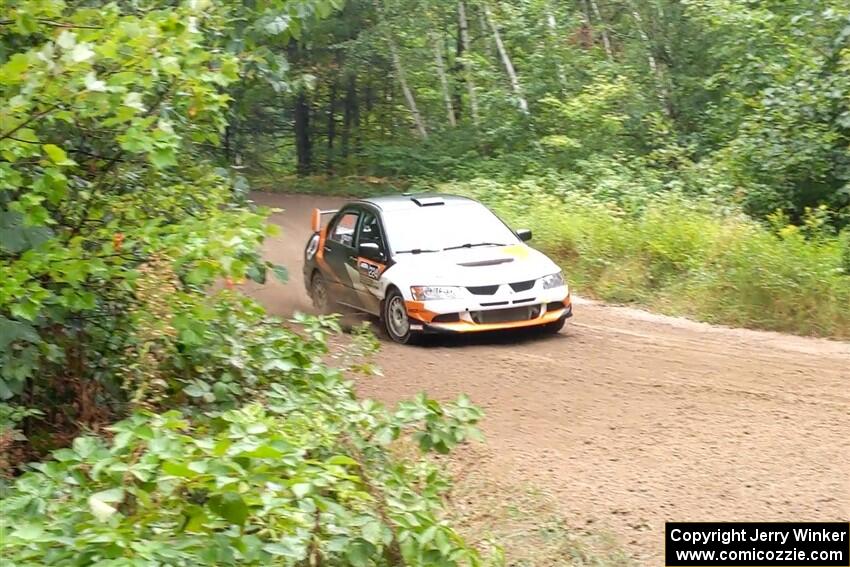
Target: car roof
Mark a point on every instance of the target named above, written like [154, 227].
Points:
[411, 201]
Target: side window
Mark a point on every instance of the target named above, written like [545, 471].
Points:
[370, 231]
[343, 229]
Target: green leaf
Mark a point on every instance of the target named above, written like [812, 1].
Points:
[300, 489]
[342, 460]
[112, 495]
[163, 157]
[29, 532]
[290, 547]
[85, 446]
[280, 272]
[26, 309]
[81, 52]
[230, 506]
[11, 331]
[57, 155]
[373, 532]
[178, 469]
[99, 504]
[360, 553]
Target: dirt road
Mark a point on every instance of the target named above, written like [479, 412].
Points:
[630, 418]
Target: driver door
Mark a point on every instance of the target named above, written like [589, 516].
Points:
[371, 262]
[340, 255]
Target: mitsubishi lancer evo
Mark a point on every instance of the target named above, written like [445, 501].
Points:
[432, 264]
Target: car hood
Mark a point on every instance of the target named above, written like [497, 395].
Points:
[475, 266]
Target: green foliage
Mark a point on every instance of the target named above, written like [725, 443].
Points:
[104, 179]
[238, 445]
[303, 473]
[754, 94]
[343, 186]
[682, 256]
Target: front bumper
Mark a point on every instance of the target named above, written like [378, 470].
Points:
[464, 327]
[458, 316]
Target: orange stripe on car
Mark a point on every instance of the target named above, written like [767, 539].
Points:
[416, 310]
[320, 256]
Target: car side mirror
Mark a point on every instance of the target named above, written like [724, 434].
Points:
[524, 234]
[370, 251]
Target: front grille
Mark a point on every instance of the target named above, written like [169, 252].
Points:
[483, 289]
[522, 286]
[506, 315]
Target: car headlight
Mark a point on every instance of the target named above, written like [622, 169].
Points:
[553, 280]
[429, 292]
[312, 247]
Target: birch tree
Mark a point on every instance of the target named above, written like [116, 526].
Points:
[552, 25]
[401, 76]
[606, 40]
[440, 63]
[662, 91]
[463, 24]
[506, 61]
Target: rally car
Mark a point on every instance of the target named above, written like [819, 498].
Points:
[432, 263]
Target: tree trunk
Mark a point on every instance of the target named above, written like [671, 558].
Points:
[444, 81]
[458, 73]
[482, 24]
[506, 61]
[552, 24]
[348, 113]
[606, 41]
[402, 78]
[331, 125]
[408, 94]
[463, 22]
[660, 81]
[303, 149]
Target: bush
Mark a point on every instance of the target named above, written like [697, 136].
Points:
[302, 473]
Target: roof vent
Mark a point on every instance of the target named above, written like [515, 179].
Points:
[428, 201]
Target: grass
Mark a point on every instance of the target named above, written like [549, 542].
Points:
[348, 186]
[682, 258]
[672, 255]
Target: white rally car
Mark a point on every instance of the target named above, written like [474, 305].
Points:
[432, 263]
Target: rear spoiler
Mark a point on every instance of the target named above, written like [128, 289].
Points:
[317, 217]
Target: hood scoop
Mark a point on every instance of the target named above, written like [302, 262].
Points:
[493, 262]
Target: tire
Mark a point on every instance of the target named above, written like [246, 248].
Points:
[395, 320]
[319, 294]
[553, 328]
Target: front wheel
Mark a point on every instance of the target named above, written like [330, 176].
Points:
[395, 319]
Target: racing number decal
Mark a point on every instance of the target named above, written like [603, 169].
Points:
[371, 270]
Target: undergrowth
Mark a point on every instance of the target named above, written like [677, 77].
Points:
[682, 256]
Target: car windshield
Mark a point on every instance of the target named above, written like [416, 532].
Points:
[435, 228]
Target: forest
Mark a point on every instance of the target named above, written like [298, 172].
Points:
[691, 156]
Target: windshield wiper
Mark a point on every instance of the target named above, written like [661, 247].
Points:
[415, 251]
[469, 245]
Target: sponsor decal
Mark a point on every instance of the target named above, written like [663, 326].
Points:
[372, 270]
[519, 251]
